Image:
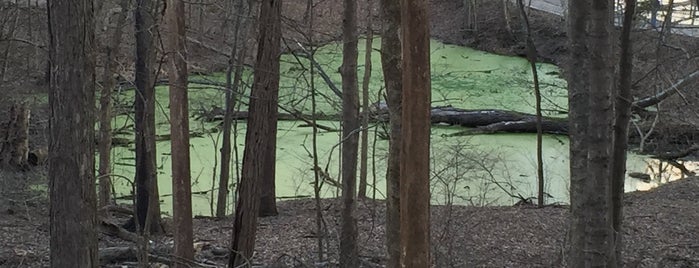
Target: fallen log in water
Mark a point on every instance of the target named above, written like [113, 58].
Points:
[486, 121]
[496, 121]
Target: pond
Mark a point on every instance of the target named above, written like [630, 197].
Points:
[470, 170]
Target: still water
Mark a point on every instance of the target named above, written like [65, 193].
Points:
[470, 170]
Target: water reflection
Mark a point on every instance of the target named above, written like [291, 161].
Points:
[474, 170]
[660, 172]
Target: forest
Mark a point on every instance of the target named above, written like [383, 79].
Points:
[349, 133]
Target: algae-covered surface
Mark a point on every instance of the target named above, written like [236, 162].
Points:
[475, 170]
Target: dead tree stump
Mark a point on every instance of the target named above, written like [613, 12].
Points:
[14, 138]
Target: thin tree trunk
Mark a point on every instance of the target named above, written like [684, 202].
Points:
[147, 203]
[317, 184]
[508, 19]
[179, 130]
[260, 140]
[105, 116]
[623, 101]
[667, 24]
[73, 199]
[8, 48]
[415, 146]
[234, 63]
[391, 65]
[349, 255]
[29, 59]
[532, 58]
[363, 168]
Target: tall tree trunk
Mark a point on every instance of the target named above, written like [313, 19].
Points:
[105, 115]
[623, 100]
[147, 203]
[260, 139]
[235, 63]
[363, 167]
[349, 256]
[578, 101]
[179, 131]
[391, 65]
[269, 99]
[601, 117]
[72, 133]
[590, 102]
[415, 146]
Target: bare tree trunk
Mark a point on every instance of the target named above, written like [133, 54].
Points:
[391, 65]
[29, 58]
[532, 57]
[72, 134]
[363, 168]
[147, 203]
[508, 19]
[578, 101]
[471, 14]
[415, 146]
[235, 62]
[268, 199]
[179, 131]
[14, 139]
[349, 255]
[105, 115]
[667, 24]
[592, 243]
[623, 100]
[8, 48]
[600, 241]
[260, 140]
[317, 184]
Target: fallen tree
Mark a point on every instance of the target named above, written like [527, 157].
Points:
[495, 121]
[484, 121]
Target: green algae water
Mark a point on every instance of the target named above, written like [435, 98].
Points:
[469, 170]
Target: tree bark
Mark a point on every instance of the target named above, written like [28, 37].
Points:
[14, 139]
[147, 203]
[8, 48]
[73, 199]
[592, 235]
[578, 101]
[391, 66]
[260, 138]
[105, 115]
[363, 167]
[179, 130]
[235, 62]
[623, 100]
[269, 102]
[349, 255]
[317, 183]
[415, 146]
[600, 240]
[532, 58]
